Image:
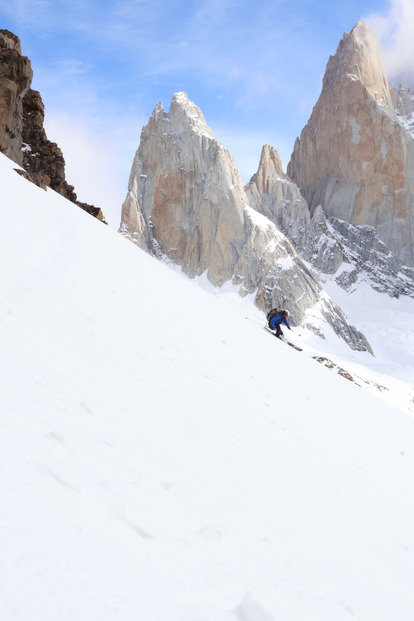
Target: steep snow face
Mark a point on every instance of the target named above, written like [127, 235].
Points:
[162, 457]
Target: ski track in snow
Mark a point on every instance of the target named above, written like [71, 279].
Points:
[162, 458]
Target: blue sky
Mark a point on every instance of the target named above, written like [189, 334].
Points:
[254, 69]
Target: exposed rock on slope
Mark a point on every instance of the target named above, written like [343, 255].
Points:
[354, 157]
[43, 159]
[186, 202]
[22, 136]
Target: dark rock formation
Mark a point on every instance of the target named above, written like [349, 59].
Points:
[15, 79]
[43, 159]
[22, 136]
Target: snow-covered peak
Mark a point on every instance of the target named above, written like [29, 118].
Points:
[182, 108]
[359, 56]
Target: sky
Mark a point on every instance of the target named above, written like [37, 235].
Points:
[254, 70]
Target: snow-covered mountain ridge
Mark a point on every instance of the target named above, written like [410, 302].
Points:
[344, 207]
[163, 458]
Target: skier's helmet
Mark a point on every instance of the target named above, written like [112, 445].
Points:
[284, 313]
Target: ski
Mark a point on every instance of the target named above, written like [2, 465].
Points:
[294, 346]
[284, 339]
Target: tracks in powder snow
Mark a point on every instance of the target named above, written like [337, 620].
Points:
[283, 339]
[359, 381]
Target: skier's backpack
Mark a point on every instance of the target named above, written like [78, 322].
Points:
[271, 314]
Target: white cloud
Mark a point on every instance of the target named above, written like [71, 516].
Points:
[69, 67]
[97, 163]
[395, 31]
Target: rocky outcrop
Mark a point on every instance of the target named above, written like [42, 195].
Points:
[22, 136]
[354, 157]
[43, 159]
[15, 79]
[186, 203]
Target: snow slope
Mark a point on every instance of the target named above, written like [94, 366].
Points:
[164, 459]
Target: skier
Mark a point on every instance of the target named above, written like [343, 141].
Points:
[276, 321]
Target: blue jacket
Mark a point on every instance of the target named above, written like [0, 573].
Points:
[277, 320]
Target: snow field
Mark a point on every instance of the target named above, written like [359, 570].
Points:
[162, 457]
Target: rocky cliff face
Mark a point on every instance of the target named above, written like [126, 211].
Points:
[185, 197]
[43, 159]
[355, 158]
[22, 136]
[186, 202]
[15, 79]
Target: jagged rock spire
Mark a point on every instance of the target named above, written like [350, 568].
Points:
[353, 157]
[359, 58]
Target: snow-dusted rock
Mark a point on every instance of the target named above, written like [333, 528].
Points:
[186, 202]
[326, 242]
[371, 260]
[271, 192]
[355, 157]
[403, 102]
